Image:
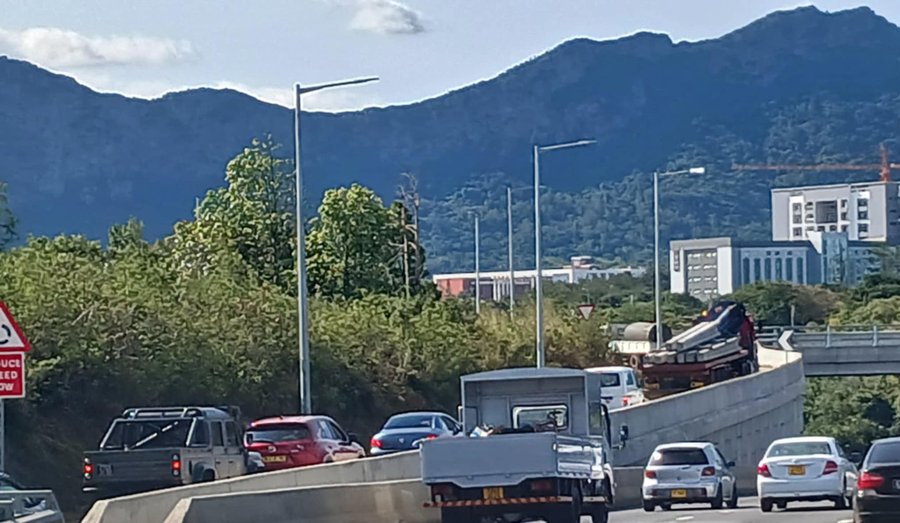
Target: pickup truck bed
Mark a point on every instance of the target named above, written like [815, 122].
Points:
[121, 472]
[509, 459]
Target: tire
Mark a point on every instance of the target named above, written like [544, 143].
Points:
[718, 502]
[840, 503]
[649, 506]
[208, 476]
[733, 501]
[568, 513]
[765, 505]
[666, 506]
[600, 515]
[781, 505]
[455, 515]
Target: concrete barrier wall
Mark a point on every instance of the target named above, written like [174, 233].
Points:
[742, 416]
[399, 501]
[367, 503]
[153, 507]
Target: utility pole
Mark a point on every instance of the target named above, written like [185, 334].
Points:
[477, 269]
[509, 241]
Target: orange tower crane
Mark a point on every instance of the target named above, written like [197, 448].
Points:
[884, 167]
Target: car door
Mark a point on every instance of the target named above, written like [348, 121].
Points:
[346, 450]
[328, 442]
[234, 450]
[726, 475]
[220, 459]
[452, 425]
[848, 469]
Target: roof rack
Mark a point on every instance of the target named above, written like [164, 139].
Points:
[162, 412]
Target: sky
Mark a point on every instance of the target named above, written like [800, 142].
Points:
[418, 48]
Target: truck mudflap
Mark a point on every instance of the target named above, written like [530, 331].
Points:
[535, 500]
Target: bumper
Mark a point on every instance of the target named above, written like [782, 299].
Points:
[872, 507]
[818, 489]
[383, 452]
[669, 492]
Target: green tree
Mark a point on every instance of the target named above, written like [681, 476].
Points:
[252, 218]
[352, 245]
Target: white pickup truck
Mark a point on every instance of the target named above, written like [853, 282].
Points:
[544, 450]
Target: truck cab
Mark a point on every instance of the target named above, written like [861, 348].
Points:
[539, 449]
[619, 386]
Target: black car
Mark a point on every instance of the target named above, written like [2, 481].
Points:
[876, 497]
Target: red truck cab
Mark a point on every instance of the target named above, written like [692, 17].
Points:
[295, 441]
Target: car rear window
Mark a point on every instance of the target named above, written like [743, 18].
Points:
[884, 453]
[147, 434]
[799, 448]
[673, 457]
[277, 433]
[608, 379]
[409, 422]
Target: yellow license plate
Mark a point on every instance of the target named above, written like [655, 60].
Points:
[796, 470]
[274, 459]
[493, 493]
[680, 493]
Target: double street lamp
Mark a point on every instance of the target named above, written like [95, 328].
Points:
[656, 289]
[302, 301]
[538, 291]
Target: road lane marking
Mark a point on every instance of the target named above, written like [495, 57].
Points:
[845, 521]
[684, 518]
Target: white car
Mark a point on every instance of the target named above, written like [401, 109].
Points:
[804, 469]
[619, 386]
[688, 473]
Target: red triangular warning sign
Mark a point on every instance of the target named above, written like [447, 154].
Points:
[12, 339]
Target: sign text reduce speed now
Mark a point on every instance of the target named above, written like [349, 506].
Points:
[12, 375]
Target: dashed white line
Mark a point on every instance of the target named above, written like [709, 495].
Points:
[684, 518]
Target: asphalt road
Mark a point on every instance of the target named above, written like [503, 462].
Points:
[747, 512]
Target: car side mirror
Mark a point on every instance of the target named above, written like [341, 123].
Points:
[856, 457]
[354, 438]
[730, 464]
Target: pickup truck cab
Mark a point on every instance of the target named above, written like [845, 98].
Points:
[619, 386]
[152, 448]
[542, 450]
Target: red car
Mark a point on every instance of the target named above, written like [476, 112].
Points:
[296, 441]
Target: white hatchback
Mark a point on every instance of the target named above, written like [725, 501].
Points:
[619, 387]
[804, 469]
[688, 473]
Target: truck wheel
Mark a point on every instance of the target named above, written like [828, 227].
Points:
[600, 515]
[570, 513]
[456, 515]
[208, 475]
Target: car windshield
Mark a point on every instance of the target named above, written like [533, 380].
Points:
[675, 457]
[278, 433]
[148, 434]
[409, 421]
[882, 453]
[608, 379]
[799, 448]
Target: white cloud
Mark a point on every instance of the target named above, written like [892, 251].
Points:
[54, 47]
[386, 17]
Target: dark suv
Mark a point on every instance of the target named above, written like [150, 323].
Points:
[876, 497]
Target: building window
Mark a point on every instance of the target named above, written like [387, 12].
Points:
[778, 272]
[745, 270]
[843, 228]
[756, 272]
[863, 214]
[798, 231]
[844, 216]
[800, 278]
[821, 228]
[809, 205]
[832, 228]
[863, 227]
[768, 269]
[843, 204]
[789, 269]
[862, 202]
[796, 207]
[797, 218]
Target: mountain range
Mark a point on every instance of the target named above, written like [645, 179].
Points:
[795, 86]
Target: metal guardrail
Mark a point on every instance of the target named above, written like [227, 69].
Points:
[29, 505]
[829, 337]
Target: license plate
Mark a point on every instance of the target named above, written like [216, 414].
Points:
[493, 493]
[896, 484]
[274, 459]
[796, 470]
[104, 470]
[680, 493]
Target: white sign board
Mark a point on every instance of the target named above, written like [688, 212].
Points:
[585, 310]
[12, 339]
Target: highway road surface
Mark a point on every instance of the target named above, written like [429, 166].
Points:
[747, 512]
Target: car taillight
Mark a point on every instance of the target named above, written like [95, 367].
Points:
[541, 485]
[625, 401]
[176, 465]
[763, 470]
[650, 474]
[708, 471]
[375, 443]
[431, 436]
[88, 468]
[869, 480]
[830, 467]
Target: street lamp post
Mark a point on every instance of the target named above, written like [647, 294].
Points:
[302, 302]
[509, 241]
[656, 286]
[538, 288]
[477, 268]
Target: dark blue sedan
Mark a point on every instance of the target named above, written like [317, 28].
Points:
[404, 431]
